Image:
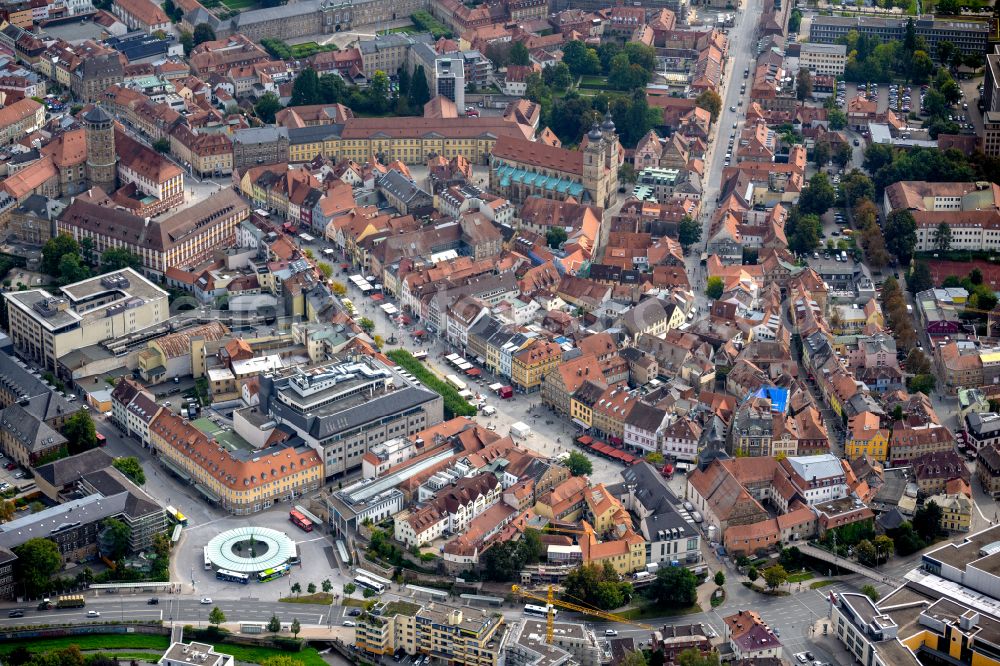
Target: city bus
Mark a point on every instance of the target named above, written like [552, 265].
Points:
[370, 584]
[177, 516]
[208, 562]
[232, 576]
[273, 573]
[300, 521]
[539, 611]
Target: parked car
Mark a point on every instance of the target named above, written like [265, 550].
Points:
[349, 623]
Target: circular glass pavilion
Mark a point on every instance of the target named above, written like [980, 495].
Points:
[250, 550]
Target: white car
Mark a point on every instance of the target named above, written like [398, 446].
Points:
[350, 623]
[610, 632]
[801, 657]
[93, 614]
[206, 600]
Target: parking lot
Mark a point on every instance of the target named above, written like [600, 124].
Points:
[12, 478]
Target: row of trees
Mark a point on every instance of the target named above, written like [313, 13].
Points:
[872, 59]
[69, 261]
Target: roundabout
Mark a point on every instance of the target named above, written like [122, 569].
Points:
[251, 550]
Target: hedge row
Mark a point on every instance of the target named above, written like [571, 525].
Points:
[454, 405]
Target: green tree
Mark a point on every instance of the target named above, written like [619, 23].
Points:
[775, 576]
[116, 258]
[655, 458]
[367, 325]
[305, 89]
[711, 102]
[266, 107]
[519, 54]
[688, 231]
[927, 521]
[187, 41]
[37, 560]
[837, 119]
[579, 464]
[753, 574]
[864, 550]
[378, 92]
[274, 624]
[555, 237]
[326, 270]
[900, 232]
[132, 468]
[296, 627]
[117, 533]
[79, 430]
[349, 589]
[162, 145]
[581, 59]
[311, 588]
[503, 561]
[54, 250]
[720, 579]
[843, 155]
[922, 384]
[818, 197]
[919, 278]
[531, 546]
[326, 585]
[339, 289]
[557, 76]
[921, 67]
[942, 237]
[714, 287]
[884, 546]
[203, 32]
[870, 592]
[803, 84]
[296, 589]
[676, 587]
[420, 93]
[71, 269]
[216, 616]
[857, 186]
[822, 153]
[794, 20]
[694, 657]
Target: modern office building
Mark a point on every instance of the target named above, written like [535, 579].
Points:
[969, 36]
[343, 408]
[829, 59]
[44, 326]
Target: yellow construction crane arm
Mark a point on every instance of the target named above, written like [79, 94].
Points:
[611, 617]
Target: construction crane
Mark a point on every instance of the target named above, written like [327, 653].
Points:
[551, 602]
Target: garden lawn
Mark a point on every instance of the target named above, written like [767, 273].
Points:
[408, 29]
[821, 583]
[257, 655]
[800, 577]
[89, 642]
[240, 4]
[656, 610]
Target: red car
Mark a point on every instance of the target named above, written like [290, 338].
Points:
[11, 466]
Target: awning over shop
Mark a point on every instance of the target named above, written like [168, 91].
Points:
[580, 423]
[207, 494]
[473, 372]
[175, 469]
[585, 439]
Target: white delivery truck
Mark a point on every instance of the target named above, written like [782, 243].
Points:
[520, 430]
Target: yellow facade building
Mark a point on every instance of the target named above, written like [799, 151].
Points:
[241, 486]
[867, 438]
[529, 366]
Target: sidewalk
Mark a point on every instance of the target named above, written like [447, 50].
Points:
[829, 642]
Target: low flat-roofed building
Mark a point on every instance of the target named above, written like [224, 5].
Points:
[194, 654]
